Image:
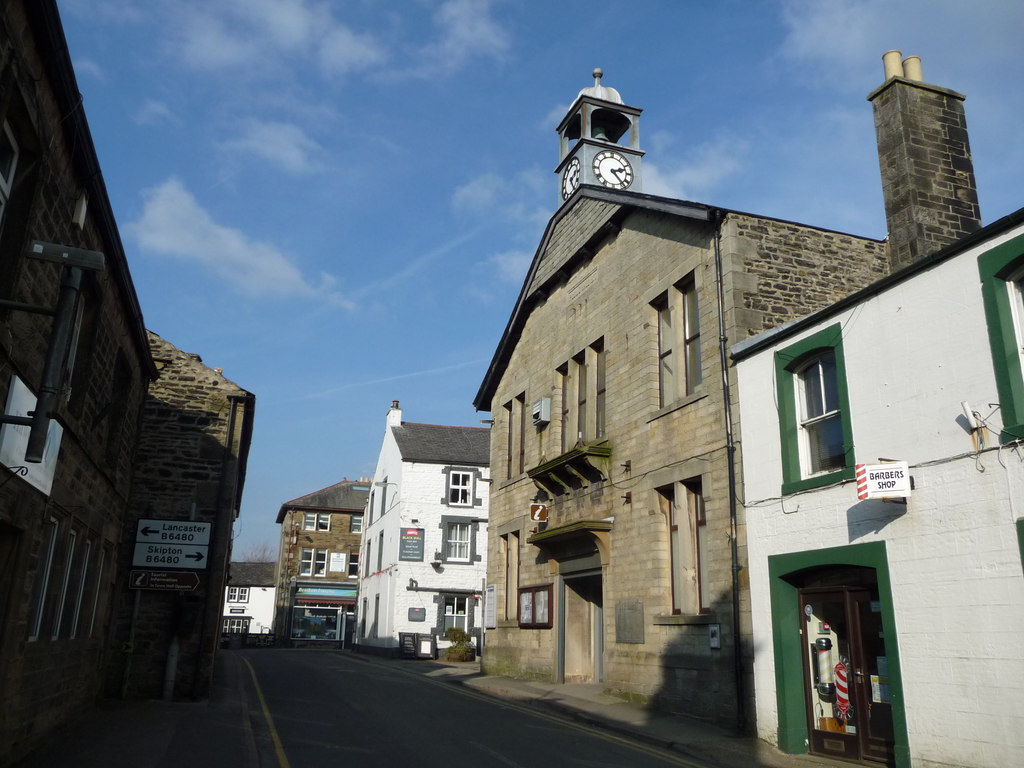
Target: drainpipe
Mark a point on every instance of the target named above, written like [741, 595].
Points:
[730, 448]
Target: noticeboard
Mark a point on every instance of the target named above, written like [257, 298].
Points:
[410, 546]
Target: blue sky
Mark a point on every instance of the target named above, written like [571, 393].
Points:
[336, 202]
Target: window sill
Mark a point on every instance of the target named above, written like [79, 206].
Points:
[819, 481]
[700, 394]
[678, 619]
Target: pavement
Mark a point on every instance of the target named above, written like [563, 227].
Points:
[229, 728]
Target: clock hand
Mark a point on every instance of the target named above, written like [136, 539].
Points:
[618, 172]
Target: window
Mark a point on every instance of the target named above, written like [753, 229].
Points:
[383, 498]
[1002, 286]
[8, 165]
[683, 507]
[69, 558]
[456, 613]
[238, 594]
[510, 555]
[814, 412]
[821, 430]
[380, 552]
[43, 577]
[353, 564]
[535, 607]
[460, 489]
[80, 592]
[236, 626]
[457, 542]
[313, 562]
[355, 524]
[515, 447]
[582, 385]
[679, 364]
[316, 521]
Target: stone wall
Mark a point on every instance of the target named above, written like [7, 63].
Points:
[52, 639]
[773, 272]
[190, 465]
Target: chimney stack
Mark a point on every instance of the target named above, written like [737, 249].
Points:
[927, 174]
[394, 415]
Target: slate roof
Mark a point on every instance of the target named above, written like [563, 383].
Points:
[346, 496]
[435, 444]
[252, 574]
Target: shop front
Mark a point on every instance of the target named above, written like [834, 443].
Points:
[322, 614]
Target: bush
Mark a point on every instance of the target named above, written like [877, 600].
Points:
[460, 648]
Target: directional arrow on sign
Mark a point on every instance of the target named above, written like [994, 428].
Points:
[197, 556]
[147, 531]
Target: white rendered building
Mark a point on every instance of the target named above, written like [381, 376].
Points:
[249, 599]
[889, 631]
[424, 541]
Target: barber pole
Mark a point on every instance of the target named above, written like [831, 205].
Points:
[842, 694]
[862, 481]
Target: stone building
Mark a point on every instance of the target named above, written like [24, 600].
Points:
[66, 473]
[190, 467]
[425, 538]
[318, 565]
[617, 551]
[881, 438]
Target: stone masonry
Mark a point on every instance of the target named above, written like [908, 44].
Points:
[190, 465]
[596, 279]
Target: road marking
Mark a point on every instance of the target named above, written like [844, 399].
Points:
[546, 716]
[282, 758]
[499, 757]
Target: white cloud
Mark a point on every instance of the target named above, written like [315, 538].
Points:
[526, 198]
[174, 224]
[699, 172]
[511, 266]
[153, 111]
[91, 68]
[342, 50]
[262, 36]
[281, 144]
[466, 31]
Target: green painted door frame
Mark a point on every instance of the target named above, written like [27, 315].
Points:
[783, 575]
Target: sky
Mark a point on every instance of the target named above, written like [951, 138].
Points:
[337, 201]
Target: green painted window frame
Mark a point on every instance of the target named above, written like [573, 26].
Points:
[786, 640]
[996, 266]
[788, 362]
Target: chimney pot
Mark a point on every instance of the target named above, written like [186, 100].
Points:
[912, 69]
[893, 63]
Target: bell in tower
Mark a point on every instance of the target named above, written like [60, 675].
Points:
[600, 142]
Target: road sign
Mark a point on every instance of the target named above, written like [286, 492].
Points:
[539, 513]
[174, 532]
[177, 581]
[165, 556]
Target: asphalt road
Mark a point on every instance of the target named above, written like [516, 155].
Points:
[321, 708]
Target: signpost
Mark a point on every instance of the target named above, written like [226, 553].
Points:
[175, 581]
[167, 545]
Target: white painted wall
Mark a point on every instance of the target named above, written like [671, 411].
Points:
[414, 499]
[259, 607]
[913, 353]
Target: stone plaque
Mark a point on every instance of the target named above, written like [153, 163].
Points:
[629, 621]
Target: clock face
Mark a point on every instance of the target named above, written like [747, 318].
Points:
[613, 169]
[570, 178]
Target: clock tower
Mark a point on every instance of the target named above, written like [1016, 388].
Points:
[590, 134]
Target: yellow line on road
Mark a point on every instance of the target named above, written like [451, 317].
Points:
[282, 758]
